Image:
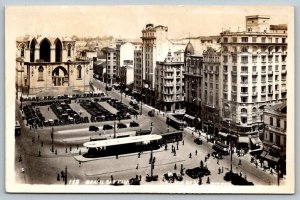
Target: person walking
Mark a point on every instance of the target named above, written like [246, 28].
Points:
[190, 155]
[208, 180]
[137, 166]
[196, 152]
[111, 178]
[175, 167]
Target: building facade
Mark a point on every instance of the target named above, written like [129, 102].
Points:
[138, 64]
[210, 91]
[50, 64]
[274, 138]
[152, 37]
[110, 76]
[253, 74]
[169, 85]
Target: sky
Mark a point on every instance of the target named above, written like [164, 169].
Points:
[128, 21]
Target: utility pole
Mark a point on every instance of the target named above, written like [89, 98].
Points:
[114, 128]
[66, 175]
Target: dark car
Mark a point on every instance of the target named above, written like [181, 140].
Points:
[121, 125]
[134, 181]
[236, 179]
[136, 106]
[93, 128]
[134, 124]
[198, 141]
[108, 88]
[107, 127]
[151, 113]
[197, 172]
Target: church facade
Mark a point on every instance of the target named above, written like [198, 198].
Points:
[50, 64]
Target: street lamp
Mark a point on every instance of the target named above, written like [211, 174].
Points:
[146, 86]
[52, 138]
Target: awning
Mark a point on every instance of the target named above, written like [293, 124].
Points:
[189, 116]
[223, 134]
[263, 154]
[271, 158]
[243, 140]
[255, 140]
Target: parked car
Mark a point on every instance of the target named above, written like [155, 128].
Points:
[198, 141]
[121, 125]
[197, 172]
[107, 127]
[134, 181]
[93, 128]
[151, 113]
[134, 124]
[136, 106]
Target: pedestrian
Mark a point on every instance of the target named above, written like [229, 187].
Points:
[241, 174]
[77, 146]
[139, 154]
[200, 181]
[98, 181]
[111, 178]
[245, 177]
[70, 148]
[48, 108]
[208, 155]
[205, 159]
[271, 171]
[174, 152]
[190, 155]
[201, 164]
[20, 158]
[39, 153]
[80, 152]
[177, 147]
[140, 177]
[58, 177]
[66, 150]
[217, 160]
[117, 156]
[79, 163]
[222, 169]
[175, 167]
[182, 142]
[38, 137]
[42, 143]
[219, 170]
[55, 151]
[240, 162]
[208, 180]
[137, 166]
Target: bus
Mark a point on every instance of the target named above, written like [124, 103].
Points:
[176, 123]
[97, 138]
[170, 137]
[118, 146]
[221, 148]
[143, 132]
[17, 129]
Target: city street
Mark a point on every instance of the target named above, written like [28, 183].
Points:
[43, 166]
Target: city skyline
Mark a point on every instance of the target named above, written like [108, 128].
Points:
[113, 20]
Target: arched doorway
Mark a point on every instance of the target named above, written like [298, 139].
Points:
[45, 50]
[60, 76]
[32, 50]
[58, 50]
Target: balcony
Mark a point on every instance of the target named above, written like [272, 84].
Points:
[263, 92]
[168, 84]
[283, 90]
[168, 70]
[283, 71]
[168, 93]
[244, 73]
[275, 129]
[254, 93]
[270, 72]
[243, 114]
[168, 77]
[225, 72]
[244, 83]
[234, 73]
[254, 73]
[244, 93]
[263, 72]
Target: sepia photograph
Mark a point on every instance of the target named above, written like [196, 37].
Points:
[152, 99]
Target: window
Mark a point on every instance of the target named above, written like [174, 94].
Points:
[234, 39]
[270, 40]
[270, 58]
[225, 59]
[254, 79]
[234, 58]
[271, 121]
[22, 50]
[263, 89]
[244, 49]
[283, 67]
[244, 99]
[225, 40]
[234, 68]
[244, 59]
[69, 49]
[276, 58]
[263, 58]
[254, 68]
[263, 39]
[225, 68]
[271, 137]
[276, 40]
[254, 89]
[278, 123]
[263, 68]
[276, 87]
[276, 67]
[253, 39]
[276, 77]
[41, 73]
[254, 59]
[263, 79]
[225, 49]
[283, 40]
[244, 110]
[79, 68]
[245, 39]
[270, 68]
[244, 120]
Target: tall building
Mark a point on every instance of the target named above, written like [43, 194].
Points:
[169, 85]
[110, 76]
[253, 74]
[153, 38]
[138, 64]
[210, 91]
[47, 64]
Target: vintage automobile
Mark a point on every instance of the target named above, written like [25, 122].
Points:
[151, 113]
[93, 128]
[107, 127]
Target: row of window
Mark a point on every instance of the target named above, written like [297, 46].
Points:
[263, 58]
[263, 97]
[254, 39]
[41, 73]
